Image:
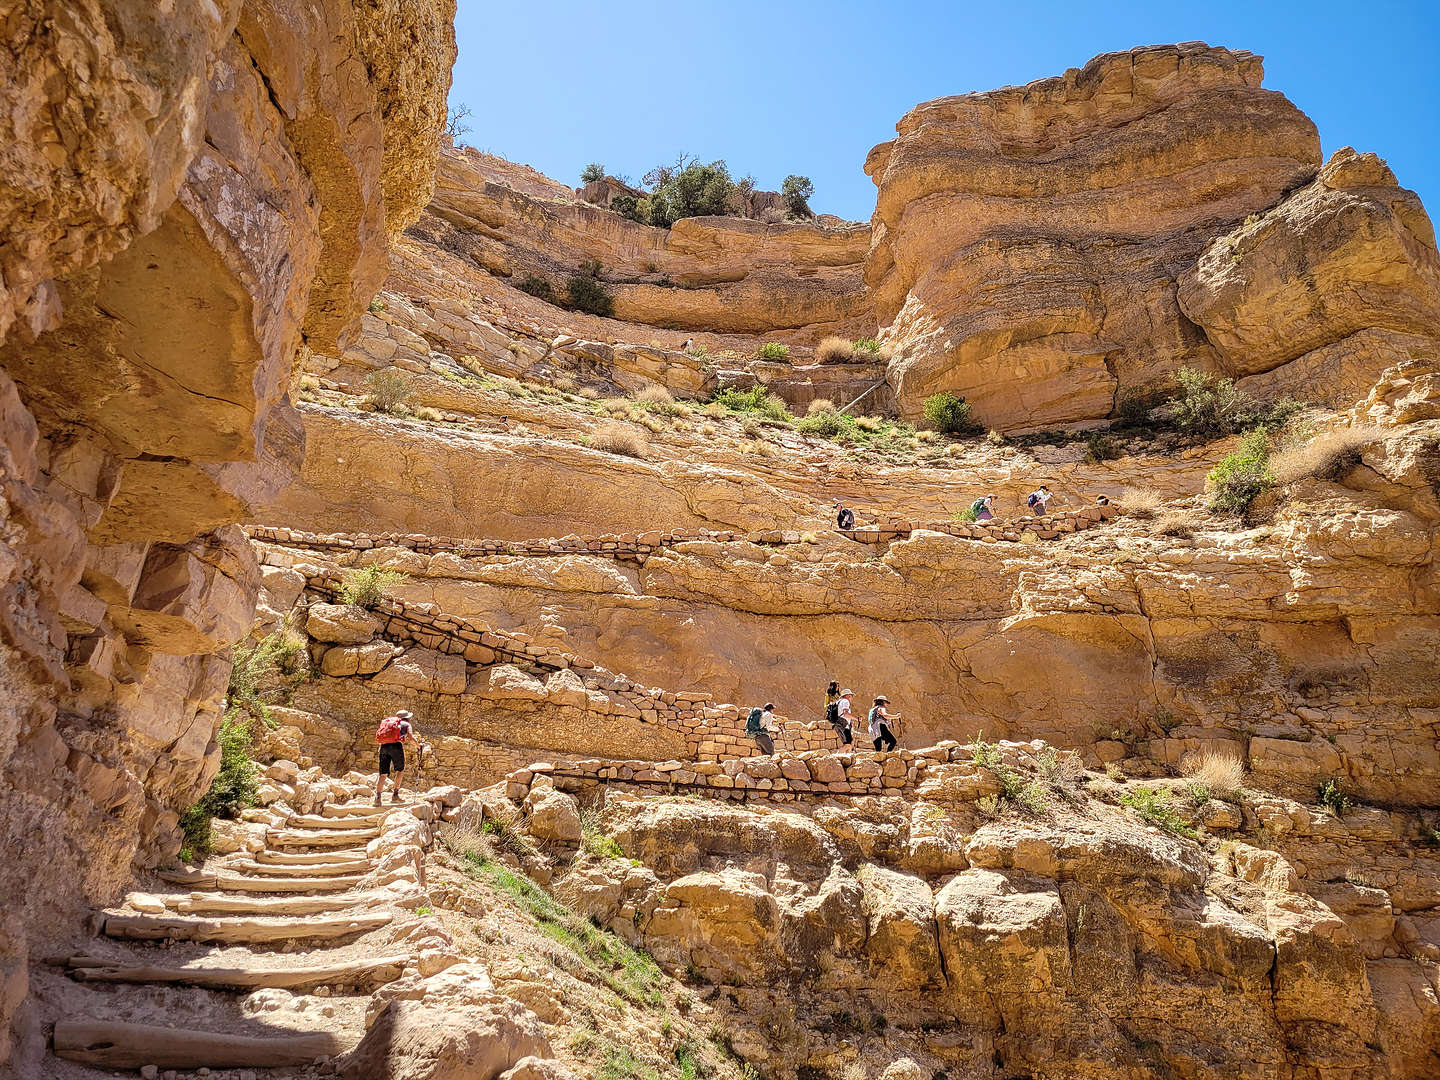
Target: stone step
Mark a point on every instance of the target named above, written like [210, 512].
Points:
[203, 878]
[302, 858]
[353, 810]
[210, 903]
[227, 882]
[118, 1045]
[240, 931]
[286, 838]
[317, 869]
[366, 971]
[350, 821]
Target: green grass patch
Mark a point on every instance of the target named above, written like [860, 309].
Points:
[627, 971]
[1154, 806]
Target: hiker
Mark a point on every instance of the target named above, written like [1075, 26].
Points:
[844, 517]
[1039, 500]
[1102, 500]
[845, 719]
[392, 735]
[689, 344]
[759, 724]
[880, 720]
[983, 508]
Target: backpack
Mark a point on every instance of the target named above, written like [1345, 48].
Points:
[389, 730]
[832, 712]
[752, 722]
[1034, 498]
[845, 519]
[977, 506]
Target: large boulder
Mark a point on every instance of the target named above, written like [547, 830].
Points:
[901, 940]
[553, 815]
[416, 1040]
[427, 670]
[342, 624]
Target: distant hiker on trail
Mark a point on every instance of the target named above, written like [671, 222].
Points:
[1039, 500]
[983, 508]
[759, 724]
[1102, 500]
[844, 517]
[880, 721]
[835, 709]
[832, 698]
[392, 735]
[844, 719]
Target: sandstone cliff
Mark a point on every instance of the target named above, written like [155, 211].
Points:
[194, 196]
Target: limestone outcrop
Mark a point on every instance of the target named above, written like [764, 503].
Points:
[1027, 240]
[193, 196]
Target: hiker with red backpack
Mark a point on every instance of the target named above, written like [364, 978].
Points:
[392, 735]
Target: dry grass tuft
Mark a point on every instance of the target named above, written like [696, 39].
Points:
[834, 350]
[589, 393]
[655, 394]
[566, 385]
[761, 448]
[653, 424]
[1218, 770]
[622, 439]
[425, 412]
[1142, 504]
[473, 366]
[1175, 524]
[821, 405]
[868, 423]
[1325, 456]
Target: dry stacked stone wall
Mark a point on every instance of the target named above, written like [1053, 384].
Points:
[885, 529]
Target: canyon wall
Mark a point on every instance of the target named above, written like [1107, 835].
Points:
[195, 196]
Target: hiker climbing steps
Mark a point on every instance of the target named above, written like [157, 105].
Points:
[322, 903]
[884, 530]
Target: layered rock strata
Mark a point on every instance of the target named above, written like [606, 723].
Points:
[192, 198]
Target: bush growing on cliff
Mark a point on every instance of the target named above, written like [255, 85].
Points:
[629, 206]
[689, 189]
[366, 587]
[1239, 477]
[587, 293]
[592, 172]
[796, 192]
[1208, 406]
[1325, 456]
[387, 391]
[773, 350]
[949, 414]
[234, 788]
[834, 350]
[1155, 808]
[537, 287]
[757, 399]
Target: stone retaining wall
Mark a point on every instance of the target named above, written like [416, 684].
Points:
[1048, 527]
[789, 776]
[712, 731]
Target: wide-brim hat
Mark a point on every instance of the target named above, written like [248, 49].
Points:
[881, 698]
[404, 714]
[847, 693]
[769, 705]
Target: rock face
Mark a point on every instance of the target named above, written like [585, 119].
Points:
[1027, 240]
[193, 195]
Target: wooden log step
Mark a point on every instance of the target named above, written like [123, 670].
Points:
[300, 858]
[118, 1045]
[326, 869]
[199, 878]
[354, 810]
[241, 883]
[370, 970]
[317, 821]
[201, 903]
[240, 931]
[282, 838]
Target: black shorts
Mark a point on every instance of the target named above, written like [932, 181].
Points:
[392, 753]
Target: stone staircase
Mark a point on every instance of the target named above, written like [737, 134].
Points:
[270, 952]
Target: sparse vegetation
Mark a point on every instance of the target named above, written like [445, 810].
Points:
[834, 350]
[688, 189]
[757, 399]
[234, 788]
[1100, 447]
[1142, 504]
[620, 438]
[1333, 797]
[1234, 483]
[593, 838]
[587, 293]
[657, 398]
[538, 287]
[1154, 806]
[949, 413]
[366, 586]
[387, 391]
[455, 125]
[1017, 790]
[592, 172]
[1175, 525]
[796, 192]
[1325, 456]
[1207, 406]
[773, 350]
[1220, 772]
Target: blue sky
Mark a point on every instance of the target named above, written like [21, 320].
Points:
[809, 87]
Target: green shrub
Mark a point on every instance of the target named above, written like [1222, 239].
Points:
[1154, 807]
[689, 189]
[949, 413]
[1333, 798]
[1100, 447]
[757, 399]
[629, 206]
[1239, 477]
[587, 293]
[868, 345]
[366, 587]
[1207, 406]
[234, 788]
[968, 514]
[592, 172]
[387, 390]
[280, 655]
[538, 287]
[773, 350]
[796, 192]
[827, 425]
